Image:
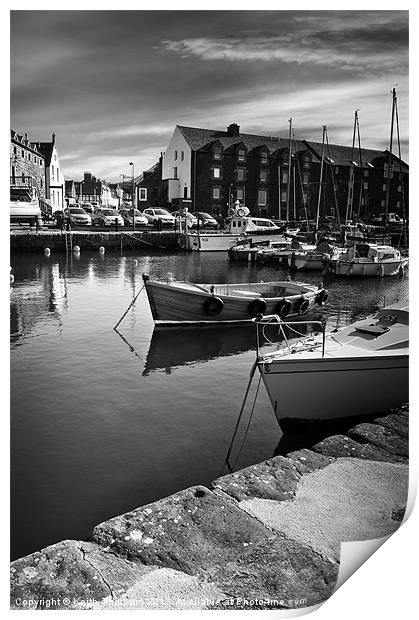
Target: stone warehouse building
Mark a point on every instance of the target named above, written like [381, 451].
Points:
[54, 177]
[212, 169]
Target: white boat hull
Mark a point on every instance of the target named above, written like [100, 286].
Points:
[307, 391]
[368, 269]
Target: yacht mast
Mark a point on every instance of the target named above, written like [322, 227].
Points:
[289, 171]
[349, 201]
[389, 173]
[320, 184]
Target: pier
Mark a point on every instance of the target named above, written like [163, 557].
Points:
[265, 537]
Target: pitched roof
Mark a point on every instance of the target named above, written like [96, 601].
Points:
[341, 155]
[46, 149]
[197, 138]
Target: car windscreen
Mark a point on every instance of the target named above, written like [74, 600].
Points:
[72, 210]
[161, 212]
[109, 212]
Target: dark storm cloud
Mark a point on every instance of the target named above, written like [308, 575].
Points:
[113, 84]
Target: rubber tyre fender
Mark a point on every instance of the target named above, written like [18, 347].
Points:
[283, 308]
[302, 305]
[213, 306]
[257, 306]
[322, 297]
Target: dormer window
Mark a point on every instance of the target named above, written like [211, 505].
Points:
[242, 154]
[217, 152]
[264, 157]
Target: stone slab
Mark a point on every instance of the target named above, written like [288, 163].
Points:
[275, 479]
[342, 446]
[396, 423]
[307, 461]
[350, 499]
[190, 531]
[282, 572]
[381, 437]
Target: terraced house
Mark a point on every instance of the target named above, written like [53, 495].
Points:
[213, 168]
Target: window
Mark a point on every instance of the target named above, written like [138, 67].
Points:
[216, 173]
[383, 203]
[283, 196]
[216, 193]
[262, 197]
[263, 175]
[305, 178]
[23, 154]
[264, 157]
[52, 171]
[175, 154]
[175, 172]
[365, 184]
[384, 187]
[242, 154]
[29, 157]
[217, 152]
[14, 150]
[285, 177]
[399, 189]
[306, 161]
[366, 173]
[240, 174]
[398, 205]
[142, 194]
[58, 175]
[305, 198]
[182, 155]
[337, 169]
[240, 194]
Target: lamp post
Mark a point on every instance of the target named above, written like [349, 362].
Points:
[133, 194]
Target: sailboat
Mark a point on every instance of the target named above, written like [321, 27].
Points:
[371, 259]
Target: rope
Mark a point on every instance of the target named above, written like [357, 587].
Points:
[248, 424]
[252, 373]
[162, 247]
[127, 310]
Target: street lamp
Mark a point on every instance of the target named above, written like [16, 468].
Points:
[133, 194]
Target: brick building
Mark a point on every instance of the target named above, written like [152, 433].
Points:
[213, 168]
[151, 190]
[27, 163]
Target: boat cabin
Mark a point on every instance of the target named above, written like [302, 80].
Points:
[371, 252]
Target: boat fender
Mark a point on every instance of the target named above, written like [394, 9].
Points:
[401, 271]
[240, 212]
[322, 297]
[325, 259]
[257, 306]
[283, 308]
[302, 305]
[213, 306]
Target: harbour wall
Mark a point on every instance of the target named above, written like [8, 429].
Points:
[265, 537]
[56, 240]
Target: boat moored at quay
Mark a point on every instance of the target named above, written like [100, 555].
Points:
[361, 369]
[174, 303]
[369, 260]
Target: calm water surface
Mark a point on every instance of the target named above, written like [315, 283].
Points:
[103, 422]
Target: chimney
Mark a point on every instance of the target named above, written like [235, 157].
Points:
[53, 138]
[233, 130]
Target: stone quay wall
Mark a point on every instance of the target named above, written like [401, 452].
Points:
[265, 537]
[55, 240]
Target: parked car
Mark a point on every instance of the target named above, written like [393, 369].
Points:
[206, 220]
[88, 207]
[155, 216]
[78, 216]
[191, 220]
[106, 217]
[139, 218]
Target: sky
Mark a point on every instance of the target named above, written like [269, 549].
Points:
[113, 85]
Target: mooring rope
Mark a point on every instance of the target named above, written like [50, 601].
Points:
[127, 310]
[162, 247]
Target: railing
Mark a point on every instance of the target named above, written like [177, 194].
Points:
[275, 319]
[19, 182]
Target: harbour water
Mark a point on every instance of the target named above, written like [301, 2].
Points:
[103, 422]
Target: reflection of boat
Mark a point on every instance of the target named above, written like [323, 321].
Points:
[369, 260]
[358, 370]
[174, 302]
[172, 348]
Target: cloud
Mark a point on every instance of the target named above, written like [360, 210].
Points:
[131, 130]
